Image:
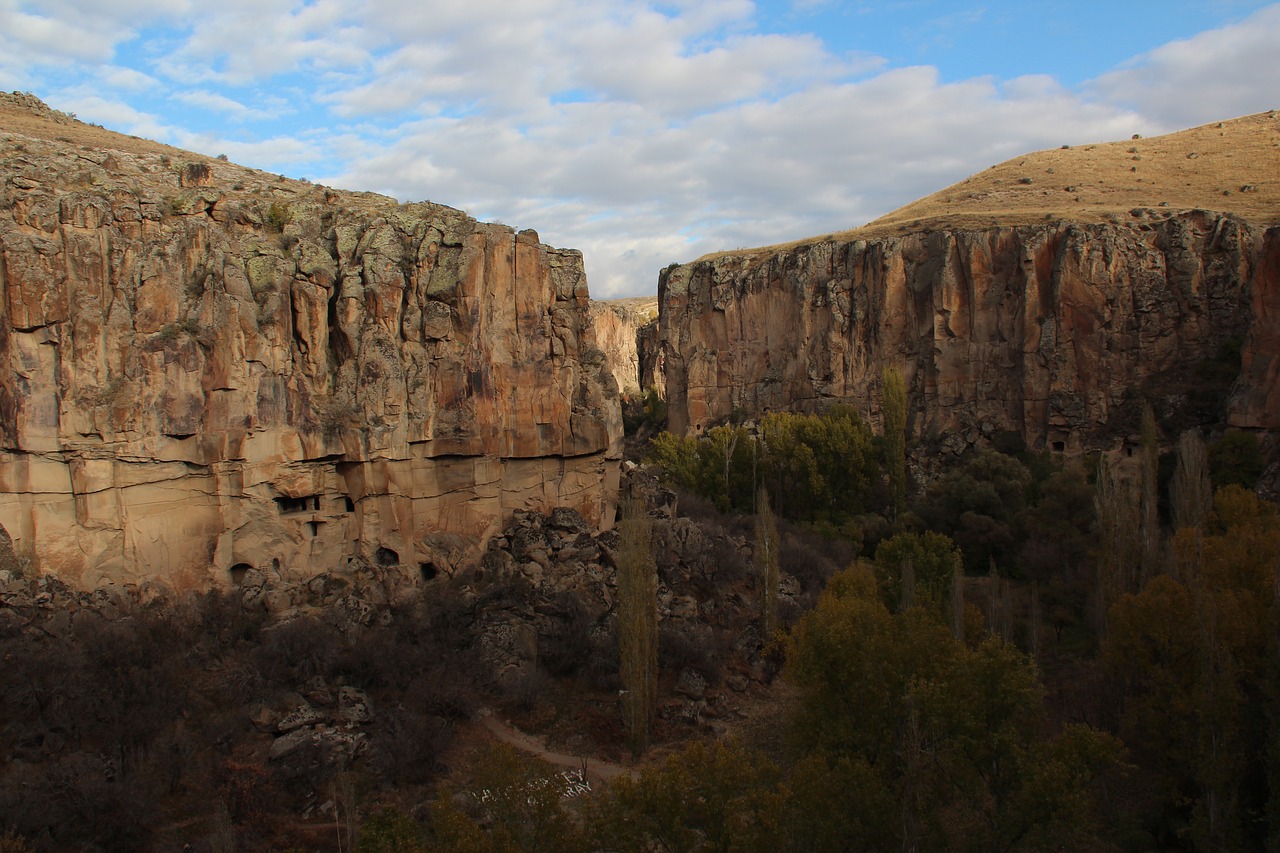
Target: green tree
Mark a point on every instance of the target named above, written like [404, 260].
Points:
[894, 409]
[727, 455]
[390, 831]
[1148, 504]
[1190, 492]
[820, 468]
[677, 458]
[766, 559]
[706, 797]
[977, 504]
[1119, 543]
[953, 733]
[837, 803]
[1191, 658]
[1235, 459]
[933, 560]
[637, 575]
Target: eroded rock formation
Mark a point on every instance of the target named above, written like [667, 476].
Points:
[208, 369]
[619, 324]
[1052, 331]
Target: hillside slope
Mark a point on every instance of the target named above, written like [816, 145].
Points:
[1047, 296]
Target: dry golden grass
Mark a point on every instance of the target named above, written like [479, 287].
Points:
[1231, 166]
[26, 117]
[644, 307]
[30, 130]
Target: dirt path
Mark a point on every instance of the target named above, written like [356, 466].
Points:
[597, 770]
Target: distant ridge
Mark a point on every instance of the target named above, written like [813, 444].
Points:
[1228, 166]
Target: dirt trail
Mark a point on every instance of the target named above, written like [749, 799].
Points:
[597, 769]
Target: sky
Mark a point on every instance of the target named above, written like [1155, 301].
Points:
[643, 133]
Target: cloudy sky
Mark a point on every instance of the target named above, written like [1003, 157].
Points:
[642, 132]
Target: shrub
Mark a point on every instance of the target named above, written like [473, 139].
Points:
[277, 217]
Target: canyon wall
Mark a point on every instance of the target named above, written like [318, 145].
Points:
[208, 369]
[1054, 331]
[619, 324]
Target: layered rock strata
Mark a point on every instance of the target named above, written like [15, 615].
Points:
[1051, 330]
[208, 371]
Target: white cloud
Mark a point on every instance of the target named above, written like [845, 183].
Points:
[126, 79]
[268, 154]
[241, 41]
[113, 114]
[222, 104]
[745, 173]
[62, 31]
[641, 133]
[1218, 74]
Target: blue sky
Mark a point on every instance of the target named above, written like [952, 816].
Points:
[642, 132]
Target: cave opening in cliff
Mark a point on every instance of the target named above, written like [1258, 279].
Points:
[1059, 446]
[386, 557]
[288, 504]
[428, 571]
[237, 573]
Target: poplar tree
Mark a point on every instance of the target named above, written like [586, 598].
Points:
[637, 622]
[1148, 502]
[1190, 493]
[894, 410]
[766, 559]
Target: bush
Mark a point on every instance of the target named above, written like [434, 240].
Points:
[1235, 460]
[390, 831]
[298, 650]
[565, 636]
[277, 217]
[407, 744]
[679, 649]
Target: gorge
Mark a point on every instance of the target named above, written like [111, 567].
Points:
[212, 369]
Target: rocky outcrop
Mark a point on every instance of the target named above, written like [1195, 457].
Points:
[209, 370]
[619, 324]
[1053, 331]
[1256, 403]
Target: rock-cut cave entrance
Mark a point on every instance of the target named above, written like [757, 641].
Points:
[237, 573]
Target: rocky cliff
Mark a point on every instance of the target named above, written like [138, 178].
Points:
[1052, 326]
[619, 324]
[209, 369]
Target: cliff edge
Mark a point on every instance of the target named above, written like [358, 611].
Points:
[210, 368]
[1037, 297]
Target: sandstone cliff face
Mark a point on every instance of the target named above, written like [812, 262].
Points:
[1052, 331]
[208, 369]
[619, 324]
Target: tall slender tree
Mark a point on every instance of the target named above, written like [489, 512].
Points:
[766, 559]
[894, 410]
[1191, 493]
[1149, 508]
[957, 601]
[637, 622]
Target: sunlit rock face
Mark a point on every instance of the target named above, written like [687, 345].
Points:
[206, 369]
[1055, 331]
[620, 326]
